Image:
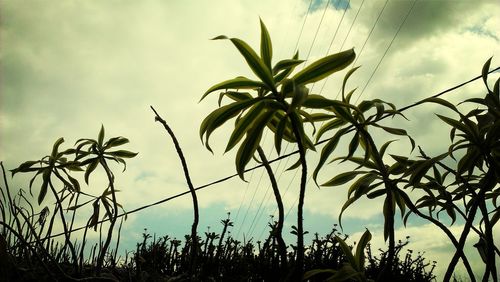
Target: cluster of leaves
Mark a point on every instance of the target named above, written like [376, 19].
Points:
[33, 232]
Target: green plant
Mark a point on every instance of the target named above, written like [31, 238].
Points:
[353, 268]
[278, 103]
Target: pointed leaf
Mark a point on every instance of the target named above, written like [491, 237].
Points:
[244, 124]
[122, 154]
[360, 250]
[56, 147]
[324, 67]
[239, 82]
[45, 185]
[346, 77]
[327, 151]
[100, 138]
[342, 178]
[90, 168]
[266, 47]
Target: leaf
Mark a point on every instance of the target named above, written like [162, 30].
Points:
[90, 168]
[346, 250]
[235, 96]
[346, 77]
[342, 178]
[359, 186]
[251, 143]
[455, 124]
[324, 67]
[266, 47]
[115, 142]
[286, 71]
[286, 64]
[122, 154]
[56, 147]
[388, 212]
[334, 123]
[441, 102]
[244, 124]
[484, 72]
[239, 82]
[45, 185]
[360, 250]
[25, 167]
[100, 138]
[280, 131]
[327, 151]
[384, 147]
[353, 145]
[257, 65]
[219, 116]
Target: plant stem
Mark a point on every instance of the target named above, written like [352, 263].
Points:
[299, 263]
[190, 185]
[279, 203]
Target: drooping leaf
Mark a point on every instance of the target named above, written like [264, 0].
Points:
[219, 116]
[441, 102]
[239, 82]
[388, 210]
[327, 151]
[235, 96]
[25, 167]
[251, 143]
[244, 124]
[324, 67]
[266, 47]
[286, 64]
[346, 77]
[332, 124]
[484, 73]
[346, 250]
[45, 185]
[90, 168]
[278, 136]
[115, 142]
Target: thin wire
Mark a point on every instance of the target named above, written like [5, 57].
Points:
[362, 47]
[352, 24]
[387, 49]
[415, 104]
[302, 28]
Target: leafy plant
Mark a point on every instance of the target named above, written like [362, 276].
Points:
[277, 101]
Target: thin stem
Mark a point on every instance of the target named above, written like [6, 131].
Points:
[190, 184]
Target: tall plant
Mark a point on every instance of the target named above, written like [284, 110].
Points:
[379, 179]
[277, 101]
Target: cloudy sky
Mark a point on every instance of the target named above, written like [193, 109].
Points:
[70, 66]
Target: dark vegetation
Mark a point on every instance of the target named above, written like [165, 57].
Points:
[461, 182]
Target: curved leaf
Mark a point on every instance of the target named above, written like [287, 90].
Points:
[346, 77]
[324, 67]
[45, 185]
[55, 148]
[360, 250]
[244, 124]
[239, 82]
[122, 154]
[90, 168]
[251, 143]
[327, 151]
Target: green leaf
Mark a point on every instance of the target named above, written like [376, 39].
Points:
[334, 123]
[353, 145]
[90, 168]
[324, 67]
[484, 72]
[45, 185]
[266, 47]
[244, 124]
[327, 151]
[346, 77]
[251, 143]
[56, 147]
[280, 131]
[389, 210]
[342, 178]
[361, 185]
[235, 96]
[441, 102]
[115, 142]
[286, 71]
[100, 138]
[239, 82]
[360, 250]
[25, 167]
[455, 124]
[346, 250]
[286, 64]
[122, 154]
[257, 65]
[219, 116]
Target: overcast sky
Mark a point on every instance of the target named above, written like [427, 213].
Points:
[69, 66]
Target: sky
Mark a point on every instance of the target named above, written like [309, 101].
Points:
[67, 67]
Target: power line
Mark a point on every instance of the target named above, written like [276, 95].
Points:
[274, 160]
[387, 49]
